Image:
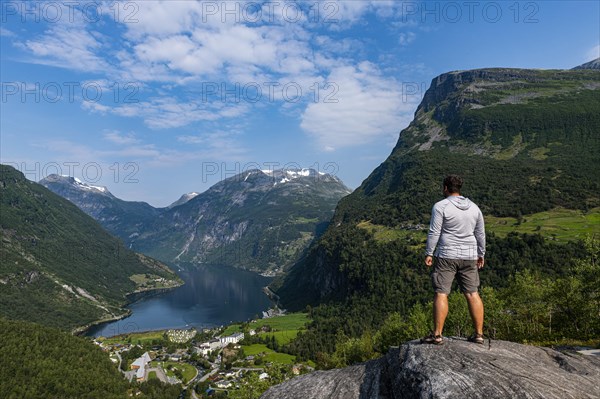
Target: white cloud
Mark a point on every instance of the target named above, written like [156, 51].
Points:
[68, 46]
[225, 144]
[159, 18]
[169, 112]
[369, 107]
[5, 32]
[121, 139]
[406, 38]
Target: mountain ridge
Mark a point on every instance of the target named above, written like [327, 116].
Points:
[249, 199]
[258, 220]
[120, 218]
[59, 266]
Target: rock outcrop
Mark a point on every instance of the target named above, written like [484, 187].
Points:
[457, 369]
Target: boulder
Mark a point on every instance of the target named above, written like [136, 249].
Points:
[456, 369]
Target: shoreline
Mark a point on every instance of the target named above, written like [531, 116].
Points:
[131, 298]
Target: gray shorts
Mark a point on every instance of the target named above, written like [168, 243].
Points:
[444, 270]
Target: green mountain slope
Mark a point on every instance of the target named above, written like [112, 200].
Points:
[526, 142]
[124, 219]
[59, 267]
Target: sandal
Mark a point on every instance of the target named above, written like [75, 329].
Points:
[432, 339]
[476, 338]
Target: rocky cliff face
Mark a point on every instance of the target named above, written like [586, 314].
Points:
[457, 369]
[257, 220]
[124, 219]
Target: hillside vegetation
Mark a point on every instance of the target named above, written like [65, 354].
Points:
[527, 143]
[59, 267]
[42, 362]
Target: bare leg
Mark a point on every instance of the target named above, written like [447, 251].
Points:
[476, 310]
[440, 311]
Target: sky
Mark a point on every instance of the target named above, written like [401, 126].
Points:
[154, 99]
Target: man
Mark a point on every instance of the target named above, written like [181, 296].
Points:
[456, 233]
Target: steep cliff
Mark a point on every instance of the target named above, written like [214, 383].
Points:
[525, 141]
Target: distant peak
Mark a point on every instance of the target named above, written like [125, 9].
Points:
[74, 182]
[594, 64]
[183, 199]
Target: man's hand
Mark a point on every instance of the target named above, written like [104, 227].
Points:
[480, 262]
[428, 261]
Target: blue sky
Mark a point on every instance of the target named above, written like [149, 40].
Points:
[157, 98]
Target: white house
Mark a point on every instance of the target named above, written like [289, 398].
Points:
[203, 349]
[235, 338]
[223, 384]
[139, 365]
[263, 376]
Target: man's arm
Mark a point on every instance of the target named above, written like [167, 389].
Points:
[480, 237]
[435, 229]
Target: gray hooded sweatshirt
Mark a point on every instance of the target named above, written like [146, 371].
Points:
[456, 230]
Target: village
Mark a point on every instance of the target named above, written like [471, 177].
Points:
[212, 360]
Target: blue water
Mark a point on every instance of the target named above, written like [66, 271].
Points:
[212, 296]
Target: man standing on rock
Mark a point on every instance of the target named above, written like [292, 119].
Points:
[457, 234]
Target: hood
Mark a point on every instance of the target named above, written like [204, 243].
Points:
[460, 202]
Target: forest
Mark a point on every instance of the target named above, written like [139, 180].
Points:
[534, 291]
[44, 362]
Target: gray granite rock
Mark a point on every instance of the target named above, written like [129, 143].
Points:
[457, 369]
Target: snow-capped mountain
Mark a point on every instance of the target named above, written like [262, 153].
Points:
[259, 220]
[123, 219]
[183, 199]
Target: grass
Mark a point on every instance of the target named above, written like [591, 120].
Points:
[232, 329]
[284, 329]
[256, 349]
[287, 323]
[561, 224]
[416, 238]
[152, 376]
[292, 321]
[142, 338]
[540, 153]
[147, 280]
[270, 354]
[188, 371]
[282, 358]
[283, 337]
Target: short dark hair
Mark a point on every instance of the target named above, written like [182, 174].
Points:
[453, 183]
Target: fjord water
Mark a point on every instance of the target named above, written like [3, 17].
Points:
[212, 296]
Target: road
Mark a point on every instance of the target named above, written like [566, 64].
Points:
[205, 377]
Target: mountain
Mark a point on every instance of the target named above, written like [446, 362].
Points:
[527, 143]
[124, 219]
[256, 220]
[594, 64]
[458, 369]
[59, 266]
[183, 199]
